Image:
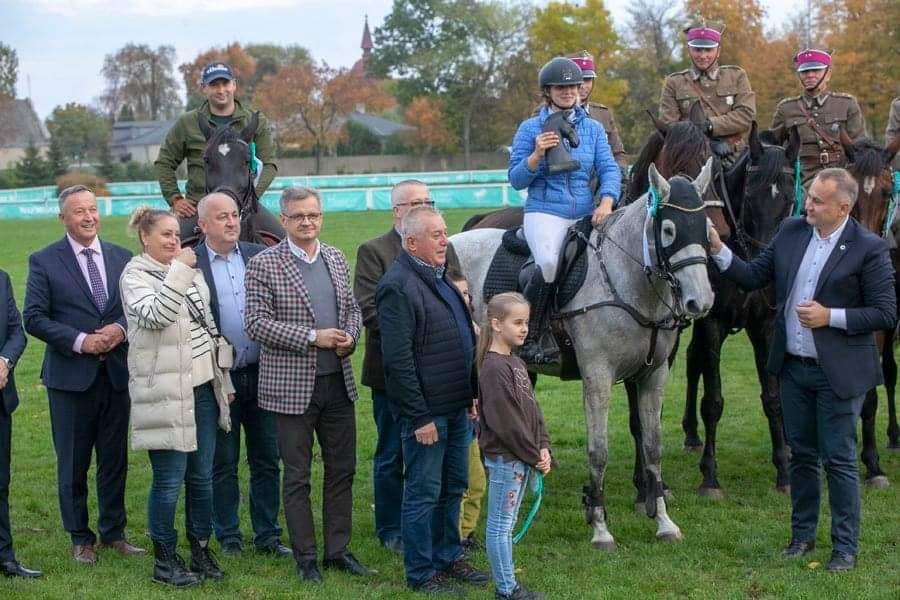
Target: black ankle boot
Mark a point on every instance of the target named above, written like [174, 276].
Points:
[539, 294]
[169, 567]
[203, 561]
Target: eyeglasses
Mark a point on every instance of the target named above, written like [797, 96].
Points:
[301, 217]
[416, 203]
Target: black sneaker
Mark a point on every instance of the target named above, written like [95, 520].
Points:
[470, 543]
[519, 593]
[231, 548]
[439, 585]
[841, 561]
[462, 570]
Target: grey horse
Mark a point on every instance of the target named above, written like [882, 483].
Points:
[652, 270]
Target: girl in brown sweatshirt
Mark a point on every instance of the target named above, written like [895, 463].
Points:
[513, 438]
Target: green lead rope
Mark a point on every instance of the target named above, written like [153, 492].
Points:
[892, 206]
[537, 488]
[253, 157]
[798, 189]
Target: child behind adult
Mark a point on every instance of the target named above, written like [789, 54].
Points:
[513, 437]
[470, 508]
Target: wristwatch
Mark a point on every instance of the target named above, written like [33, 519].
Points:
[311, 337]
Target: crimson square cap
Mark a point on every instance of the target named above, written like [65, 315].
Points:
[216, 70]
[812, 60]
[703, 37]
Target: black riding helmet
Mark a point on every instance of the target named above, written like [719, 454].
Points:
[560, 71]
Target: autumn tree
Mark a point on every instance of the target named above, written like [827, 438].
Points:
[308, 104]
[9, 71]
[563, 28]
[79, 131]
[430, 135]
[271, 57]
[140, 82]
[242, 64]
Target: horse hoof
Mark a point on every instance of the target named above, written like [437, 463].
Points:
[879, 482]
[670, 536]
[710, 492]
[605, 545]
[783, 489]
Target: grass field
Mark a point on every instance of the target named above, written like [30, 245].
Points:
[730, 548]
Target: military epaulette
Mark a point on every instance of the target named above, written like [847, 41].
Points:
[731, 67]
[598, 105]
[686, 71]
[843, 95]
[788, 99]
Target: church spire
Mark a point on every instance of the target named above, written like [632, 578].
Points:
[367, 44]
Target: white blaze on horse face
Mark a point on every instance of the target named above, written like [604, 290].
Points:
[869, 184]
[224, 149]
[667, 233]
[774, 191]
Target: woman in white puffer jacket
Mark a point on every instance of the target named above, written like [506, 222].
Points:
[179, 395]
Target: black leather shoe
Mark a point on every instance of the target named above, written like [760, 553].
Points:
[231, 548]
[462, 570]
[308, 570]
[841, 561]
[395, 545]
[439, 585]
[796, 549]
[275, 548]
[203, 561]
[13, 568]
[346, 563]
[519, 593]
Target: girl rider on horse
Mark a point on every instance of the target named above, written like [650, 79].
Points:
[556, 201]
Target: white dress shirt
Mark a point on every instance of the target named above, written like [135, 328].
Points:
[301, 253]
[81, 259]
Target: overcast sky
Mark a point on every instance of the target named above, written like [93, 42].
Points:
[62, 43]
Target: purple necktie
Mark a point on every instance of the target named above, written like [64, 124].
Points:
[98, 290]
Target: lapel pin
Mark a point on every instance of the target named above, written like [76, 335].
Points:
[843, 246]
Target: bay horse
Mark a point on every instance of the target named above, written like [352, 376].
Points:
[227, 163]
[870, 165]
[623, 298]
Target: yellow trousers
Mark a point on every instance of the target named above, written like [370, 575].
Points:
[471, 500]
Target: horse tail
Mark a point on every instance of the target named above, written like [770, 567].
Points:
[640, 181]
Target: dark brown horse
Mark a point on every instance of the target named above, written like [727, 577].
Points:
[228, 169]
[870, 165]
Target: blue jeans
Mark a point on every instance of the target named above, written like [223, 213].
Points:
[436, 477]
[387, 469]
[172, 468]
[820, 427]
[262, 457]
[506, 487]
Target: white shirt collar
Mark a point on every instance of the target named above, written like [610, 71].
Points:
[236, 251]
[77, 246]
[301, 254]
[834, 235]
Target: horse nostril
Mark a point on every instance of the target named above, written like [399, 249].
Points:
[692, 307]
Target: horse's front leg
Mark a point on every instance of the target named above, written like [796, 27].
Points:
[694, 369]
[889, 369]
[597, 389]
[710, 334]
[650, 397]
[634, 424]
[875, 477]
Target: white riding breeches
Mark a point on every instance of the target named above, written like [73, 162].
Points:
[545, 234]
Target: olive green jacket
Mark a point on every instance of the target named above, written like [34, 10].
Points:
[186, 141]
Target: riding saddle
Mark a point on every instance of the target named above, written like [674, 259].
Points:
[512, 268]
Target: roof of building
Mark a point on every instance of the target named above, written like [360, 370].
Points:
[139, 133]
[20, 125]
[377, 125]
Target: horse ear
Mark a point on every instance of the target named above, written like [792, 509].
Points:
[847, 144]
[705, 176]
[661, 127]
[891, 150]
[756, 149]
[793, 147]
[658, 181]
[205, 129]
[249, 131]
[697, 116]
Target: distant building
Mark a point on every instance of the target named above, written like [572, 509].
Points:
[362, 65]
[138, 140]
[19, 128]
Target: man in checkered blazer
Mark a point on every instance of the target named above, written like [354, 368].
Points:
[301, 309]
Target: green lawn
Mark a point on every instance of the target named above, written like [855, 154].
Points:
[730, 549]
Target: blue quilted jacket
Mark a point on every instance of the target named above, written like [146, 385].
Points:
[566, 195]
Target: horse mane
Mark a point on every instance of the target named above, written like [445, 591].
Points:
[685, 150]
[640, 181]
[868, 159]
[772, 168]
[222, 134]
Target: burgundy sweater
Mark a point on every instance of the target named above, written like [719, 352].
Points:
[512, 425]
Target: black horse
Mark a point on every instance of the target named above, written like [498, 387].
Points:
[228, 169]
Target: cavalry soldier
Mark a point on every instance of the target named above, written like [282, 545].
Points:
[598, 111]
[185, 141]
[723, 91]
[819, 115]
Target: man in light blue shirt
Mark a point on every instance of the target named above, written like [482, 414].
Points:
[223, 261]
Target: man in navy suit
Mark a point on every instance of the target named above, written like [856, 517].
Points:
[72, 303]
[834, 288]
[223, 261]
[12, 344]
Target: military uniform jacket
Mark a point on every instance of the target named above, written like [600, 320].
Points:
[831, 112]
[726, 98]
[185, 141]
[604, 114]
[893, 128]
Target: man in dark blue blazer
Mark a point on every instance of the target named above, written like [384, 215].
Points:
[834, 287]
[12, 345]
[72, 303]
[223, 259]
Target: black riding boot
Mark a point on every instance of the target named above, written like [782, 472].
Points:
[169, 567]
[203, 561]
[539, 294]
